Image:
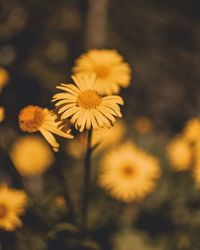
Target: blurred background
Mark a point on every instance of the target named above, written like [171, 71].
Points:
[39, 42]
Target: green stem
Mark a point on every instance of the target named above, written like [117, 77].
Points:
[66, 192]
[86, 185]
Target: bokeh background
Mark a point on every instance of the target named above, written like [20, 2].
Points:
[39, 42]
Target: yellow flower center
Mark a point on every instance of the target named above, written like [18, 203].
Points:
[102, 71]
[128, 171]
[3, 211]
[88, 99]
[31, 118]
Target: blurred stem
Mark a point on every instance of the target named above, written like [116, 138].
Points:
[66, 191]
[15, 176]
[86, 185]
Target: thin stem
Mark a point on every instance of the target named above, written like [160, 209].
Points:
[15, 176]
[86, 185]
[66, 192]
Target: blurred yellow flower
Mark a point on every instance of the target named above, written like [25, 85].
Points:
[60, 201]
[129, 173]
[12, 204]
[107, 137]
[196, 170]
[143, 125]
[111, 70]
[76, 147]
[85, 106]
[179, 153]
[35, 118]
[31, 155]
[104, 137]
[4, 77]
[192, 130]
[2, 113]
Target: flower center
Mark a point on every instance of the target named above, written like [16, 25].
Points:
[128, 171]
[31, 118]
[88, 99]
[102, 71]
[3, 211]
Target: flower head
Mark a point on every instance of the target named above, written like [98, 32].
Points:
[128, 173]
[84, 106]
[23, 154]
[179, 153]
[34, 118]
[111, 71]
[12, 204]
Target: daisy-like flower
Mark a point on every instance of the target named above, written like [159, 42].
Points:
[34, 118]
[12, 204]
[84, 106]
[111, 70]
[129, 173]
[30, 146]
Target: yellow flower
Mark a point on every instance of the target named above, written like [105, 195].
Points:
[104, 137]
[143, 125]
[196, 170]
[129, 173]
[35, 118]
[2, 114]
[192, 130]
[85, 107]
[12, 203]
[107, 137]
[179, 153]
[31, 156]
[4, 77]
[111, 70]
[76, 147]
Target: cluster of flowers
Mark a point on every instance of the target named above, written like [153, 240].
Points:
[184, 149]
[91, 102]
